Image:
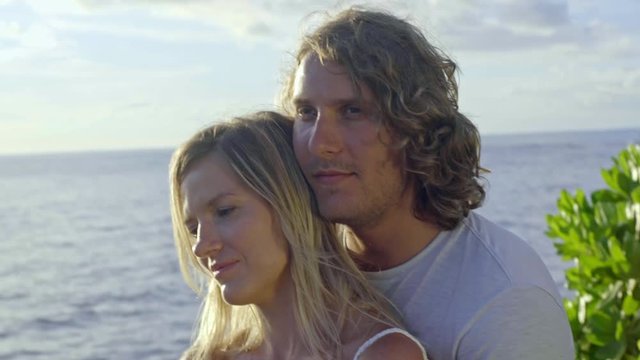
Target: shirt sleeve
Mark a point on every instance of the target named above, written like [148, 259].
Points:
[520, 323]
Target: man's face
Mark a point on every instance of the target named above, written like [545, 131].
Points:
[343, 148]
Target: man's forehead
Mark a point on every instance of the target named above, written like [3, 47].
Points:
[312, 64]
[326, 78]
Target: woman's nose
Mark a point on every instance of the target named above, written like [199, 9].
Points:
[207, 242]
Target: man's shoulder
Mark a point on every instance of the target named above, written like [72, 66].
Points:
[497, 244]
[519, 323]
[478, 258]
[490, 234]
[512, 255]
[475, 249]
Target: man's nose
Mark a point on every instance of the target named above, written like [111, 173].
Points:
[208, 242]
[325, 139]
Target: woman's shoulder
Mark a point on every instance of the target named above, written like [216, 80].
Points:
[391, 343]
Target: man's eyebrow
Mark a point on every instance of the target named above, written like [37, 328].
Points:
[300, 101]
[335, 102]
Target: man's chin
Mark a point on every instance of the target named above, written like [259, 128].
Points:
[333, 214]
[337, 214]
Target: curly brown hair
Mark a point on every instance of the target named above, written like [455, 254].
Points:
[415, 88]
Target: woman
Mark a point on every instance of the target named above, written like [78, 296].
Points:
[276, 282]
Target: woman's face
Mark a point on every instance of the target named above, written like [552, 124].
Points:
[236, 235]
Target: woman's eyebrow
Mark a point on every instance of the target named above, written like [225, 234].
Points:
[208, 204]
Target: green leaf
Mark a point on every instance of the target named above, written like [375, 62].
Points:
[619, 331]
[616, 251]
[603, 325]
[635, 195]
[620, 264]
[565, 202]
[612, 350]
[581, 200]
[632, 250]
[596, 339]
[590, 263]
[625, 183]
[630, 305]
[606, 195]
[610, 177]
[605, 213]
[636, 293]
[610, 297]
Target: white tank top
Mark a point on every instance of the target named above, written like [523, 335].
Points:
[384, 333]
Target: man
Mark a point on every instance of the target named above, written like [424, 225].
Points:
[381, 141]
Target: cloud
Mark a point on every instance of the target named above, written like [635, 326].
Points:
[23, 33]
[245, 20]
[7, 117]
[156, 32]
[10, 30]
[487, 26]
[534, 14]
[274, 22]
[55, 7]
[499, 25]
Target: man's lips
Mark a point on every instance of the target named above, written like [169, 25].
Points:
[331, 177]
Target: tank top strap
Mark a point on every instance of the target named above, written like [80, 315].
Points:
[384, 333]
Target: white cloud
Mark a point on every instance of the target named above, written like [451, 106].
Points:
[56, 7]
[39, 36]
[10, 30]
[276, 22]
[241, 19]
[28, 42]
[133, 31]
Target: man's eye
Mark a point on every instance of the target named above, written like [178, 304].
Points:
[352, 112]
[306, 113]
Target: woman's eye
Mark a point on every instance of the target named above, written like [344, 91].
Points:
[193, 230]
[225, 211]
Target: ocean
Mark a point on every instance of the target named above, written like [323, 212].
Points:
[88, 268]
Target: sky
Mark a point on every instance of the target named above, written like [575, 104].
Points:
[108, 74]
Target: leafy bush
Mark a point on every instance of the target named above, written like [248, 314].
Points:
[601, 234]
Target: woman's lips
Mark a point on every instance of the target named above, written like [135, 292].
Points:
[220, 268]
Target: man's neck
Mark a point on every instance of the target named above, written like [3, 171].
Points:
[393, 239]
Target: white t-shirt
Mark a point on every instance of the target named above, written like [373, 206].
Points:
[479, 292]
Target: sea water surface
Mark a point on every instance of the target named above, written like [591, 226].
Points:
[87, 264]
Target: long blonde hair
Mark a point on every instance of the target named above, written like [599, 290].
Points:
[329, 289]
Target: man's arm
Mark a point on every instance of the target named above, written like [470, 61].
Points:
[520, 323]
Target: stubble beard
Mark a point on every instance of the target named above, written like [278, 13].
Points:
[366, 210]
